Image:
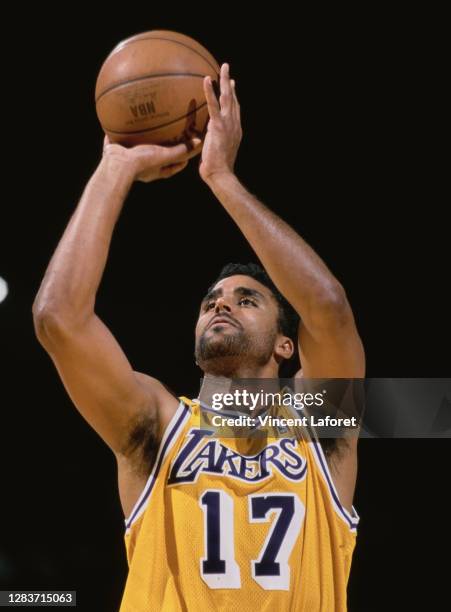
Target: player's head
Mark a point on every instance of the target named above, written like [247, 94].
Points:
[245, 325]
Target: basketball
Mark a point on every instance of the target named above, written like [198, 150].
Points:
[150, 89]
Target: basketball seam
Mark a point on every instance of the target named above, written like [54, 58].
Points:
[150, 76]
[168, 40]
[158, 126]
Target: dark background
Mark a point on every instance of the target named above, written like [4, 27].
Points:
[342, 117]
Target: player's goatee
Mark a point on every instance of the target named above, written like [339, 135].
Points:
[229, 345]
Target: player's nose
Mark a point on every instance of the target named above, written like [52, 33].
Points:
[222, 304]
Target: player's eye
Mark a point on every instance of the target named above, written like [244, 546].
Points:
[247, 302]
[209, 305]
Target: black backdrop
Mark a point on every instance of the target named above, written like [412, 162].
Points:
[341, 117]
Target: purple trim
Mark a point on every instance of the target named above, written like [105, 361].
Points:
[345, 514]
[158, 464]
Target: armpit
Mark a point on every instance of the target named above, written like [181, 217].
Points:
[142, 444]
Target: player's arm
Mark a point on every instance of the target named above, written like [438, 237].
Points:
[95, 371]
[330, 346]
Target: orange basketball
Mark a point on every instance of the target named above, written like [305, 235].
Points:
[150, 89]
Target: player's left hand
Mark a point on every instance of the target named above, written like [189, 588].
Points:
[224, 128]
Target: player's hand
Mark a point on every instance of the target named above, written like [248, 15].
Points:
[224, 128]
[148, 163]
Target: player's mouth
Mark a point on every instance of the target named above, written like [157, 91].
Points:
[221, 321]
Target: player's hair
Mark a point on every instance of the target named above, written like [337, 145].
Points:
[288, 319]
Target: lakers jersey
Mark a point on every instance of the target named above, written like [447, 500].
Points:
[226, 524]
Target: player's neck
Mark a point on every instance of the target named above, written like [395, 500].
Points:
[216, 388]
[234, 368]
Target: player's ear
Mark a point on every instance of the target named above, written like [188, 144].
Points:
[284, 347]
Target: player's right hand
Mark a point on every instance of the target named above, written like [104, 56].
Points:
[151, 162]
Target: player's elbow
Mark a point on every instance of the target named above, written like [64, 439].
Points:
[45, 323]
[332, 309]
[50, 325]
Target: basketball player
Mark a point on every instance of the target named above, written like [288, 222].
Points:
[210, 526]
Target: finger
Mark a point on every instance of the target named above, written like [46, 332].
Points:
[235, 97]
[194, 144]
[196, 149]
[236, 104]
[168, 171]
[212, 102]
[180, 152]
[225, 98]
[106, 142]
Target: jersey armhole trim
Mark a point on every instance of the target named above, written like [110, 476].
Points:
[351, 519]
[168, 440]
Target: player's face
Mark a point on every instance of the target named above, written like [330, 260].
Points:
[237, 321]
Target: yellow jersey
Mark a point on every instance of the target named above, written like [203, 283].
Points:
[237, 524]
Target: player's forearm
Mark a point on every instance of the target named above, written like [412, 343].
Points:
[298, 272]
[74, 273]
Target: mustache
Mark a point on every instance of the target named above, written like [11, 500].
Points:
[223, 317]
